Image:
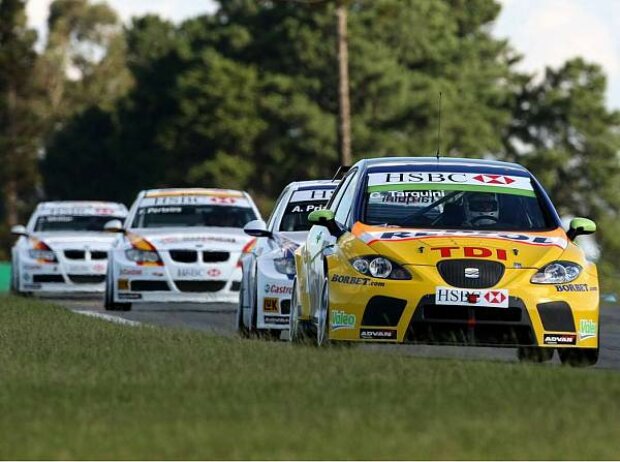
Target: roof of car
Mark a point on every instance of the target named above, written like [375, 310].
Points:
[313, 184]
[167, 192]
[434, 164]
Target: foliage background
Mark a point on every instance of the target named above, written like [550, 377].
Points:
[246, 97]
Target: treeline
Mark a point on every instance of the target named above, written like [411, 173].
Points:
[247, 98]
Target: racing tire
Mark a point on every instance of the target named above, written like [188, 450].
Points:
[299, 330]
[534, 354]
[242, 330]
[252, 329]
[108, 301]
[322, 328]
[578, 357]
[14, 279]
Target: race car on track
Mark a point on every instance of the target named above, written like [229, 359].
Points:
[268, 270]
[447, 251]
[63, 248]
[179, 245]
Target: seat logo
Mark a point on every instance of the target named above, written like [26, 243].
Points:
[472, 273]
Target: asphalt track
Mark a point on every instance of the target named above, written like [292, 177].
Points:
[219, 319]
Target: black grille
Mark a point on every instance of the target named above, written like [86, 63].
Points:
[200, 286]
[215, 257]
[47, 278]
[453, 272]
[148, 286]
[466, 325]
[556, 316]
[184, 256]
[99, 255]
[87, 278]
[383, 311]
[75, 254]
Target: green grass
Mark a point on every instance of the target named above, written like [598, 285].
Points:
[73, 387]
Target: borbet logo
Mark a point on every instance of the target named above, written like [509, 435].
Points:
[494, 179]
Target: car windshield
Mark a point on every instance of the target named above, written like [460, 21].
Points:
[182, 216]
[454, 201]
[301, 203]
[295, 216]
[73, 222]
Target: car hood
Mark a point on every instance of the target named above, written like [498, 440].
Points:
[427, 247]
[76, 240]
[231, 239]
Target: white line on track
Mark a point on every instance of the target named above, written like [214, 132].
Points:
[108, 317]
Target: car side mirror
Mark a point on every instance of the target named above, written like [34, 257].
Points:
[579, 227]
[19, 230]
[327, 218]
[113, 226]
[257, 228]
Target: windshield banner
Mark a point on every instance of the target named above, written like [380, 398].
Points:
[312, 195]
[449, 181]
[194, 200]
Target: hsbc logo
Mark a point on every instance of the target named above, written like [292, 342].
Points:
[494, 179]
[495, 297]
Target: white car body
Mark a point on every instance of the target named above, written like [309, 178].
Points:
[78, 260]
[266, 291]
[195, 263]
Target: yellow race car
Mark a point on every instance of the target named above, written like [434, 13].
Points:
[446, 251]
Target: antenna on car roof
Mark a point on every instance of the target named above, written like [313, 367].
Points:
[438, 127]
[342, 170]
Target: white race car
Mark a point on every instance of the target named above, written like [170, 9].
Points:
[268, 270]
[63, 248]
[179, 245]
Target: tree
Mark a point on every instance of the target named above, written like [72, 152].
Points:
[564, 133]
[19, 127]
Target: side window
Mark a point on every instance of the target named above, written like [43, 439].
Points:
[277, 211]
[344, 206]
[340, 190]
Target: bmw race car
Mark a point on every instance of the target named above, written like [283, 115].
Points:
[447, 251]
[179, 245]
[268, 270]
[63, 248]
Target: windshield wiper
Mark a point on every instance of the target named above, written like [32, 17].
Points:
[431, 206]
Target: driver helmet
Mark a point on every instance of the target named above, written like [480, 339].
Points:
[482, 209]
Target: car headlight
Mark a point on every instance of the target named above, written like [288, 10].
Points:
[379, 267]
[285, 266]
[558, 272]
[41, 254]
[142, 256]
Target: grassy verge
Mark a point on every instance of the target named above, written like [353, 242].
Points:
[76, 387]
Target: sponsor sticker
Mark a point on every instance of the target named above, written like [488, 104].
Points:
[312, 195]
[572, 288]
[560, 339]
[131, 272]
[470, 252]
[276, 320]
[278, 289]
[129, 296]
[495, 298]
[214, 272]
[450, 180]
[379, 334]
[194, 273]
[32, 286]
[342, 320]
[587, 329]
[270, 305]
[352, 280]
[371, 237]
[170, 201]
